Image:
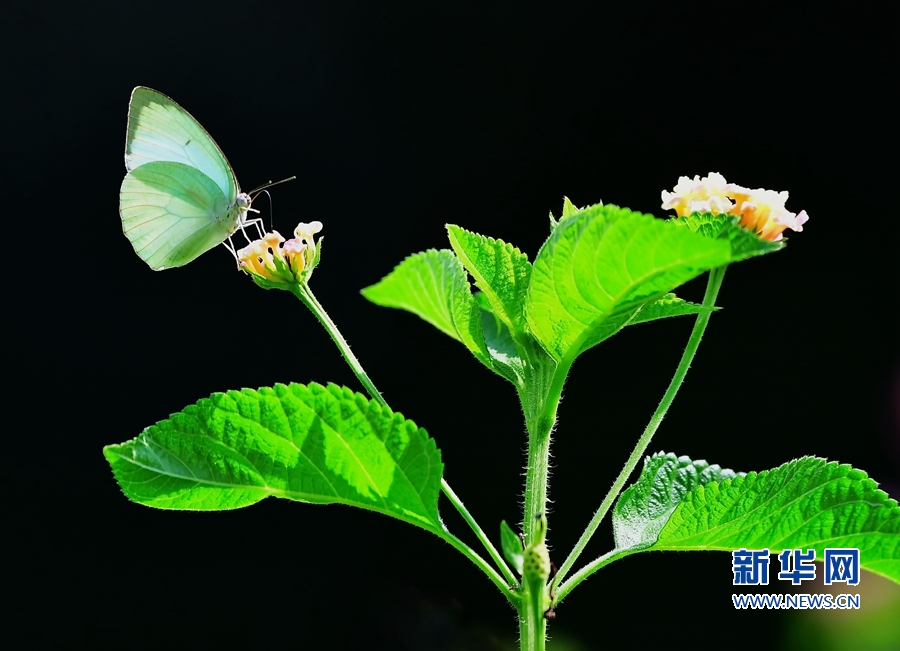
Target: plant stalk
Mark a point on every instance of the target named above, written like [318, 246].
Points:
[579, 576]
[709, 299]
[532, 628]
[495, 555]
[532, 623]
[304, 293]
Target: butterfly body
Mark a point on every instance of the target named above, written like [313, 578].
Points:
[180, 197]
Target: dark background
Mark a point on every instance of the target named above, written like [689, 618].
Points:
[398, 118]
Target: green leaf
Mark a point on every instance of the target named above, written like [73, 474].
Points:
[744, 243]
[603, 263]
[569, 208]
[808, 503]
[505, 357]
[667, 306]
[324, 445]
[645, 507]
[512, 547]
[524, 362]
[433, 286]
[500, 270]
[421, 284]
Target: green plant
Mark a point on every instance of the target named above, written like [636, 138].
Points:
[603, 268]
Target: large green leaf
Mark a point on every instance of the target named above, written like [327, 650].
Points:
[808, 503]
[307, 443]
[500, 270]
[603, 263]
[433, 285]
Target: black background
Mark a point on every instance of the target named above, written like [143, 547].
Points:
[398, 118]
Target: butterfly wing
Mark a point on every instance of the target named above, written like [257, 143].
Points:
[160, 130]
[172, 212]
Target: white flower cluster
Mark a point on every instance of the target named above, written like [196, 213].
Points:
[762, 211]
[275, 260]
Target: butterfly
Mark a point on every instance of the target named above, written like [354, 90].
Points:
[180, 197]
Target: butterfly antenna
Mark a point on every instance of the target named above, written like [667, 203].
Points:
[269, 184]
[271, 209]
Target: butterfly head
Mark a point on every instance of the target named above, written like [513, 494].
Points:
[242, 202]
[236, 215]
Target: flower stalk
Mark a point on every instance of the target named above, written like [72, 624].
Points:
[714, 283]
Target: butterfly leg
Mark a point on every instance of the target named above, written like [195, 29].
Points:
[228, 244]
[256, 222]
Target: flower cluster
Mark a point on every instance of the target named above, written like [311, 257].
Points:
[761, 211]
[274, 261]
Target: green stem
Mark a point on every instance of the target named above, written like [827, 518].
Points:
[304, 293]
[536, 478]
[709, 300]
[537, 473]
[532, 628]
[532, 623]
[587, 570]
[492, 574]
[504, 568]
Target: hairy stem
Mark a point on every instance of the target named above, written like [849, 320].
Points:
[532, 628]
[537, 474]
[532, 623]
[709, 300]
[536, 479]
